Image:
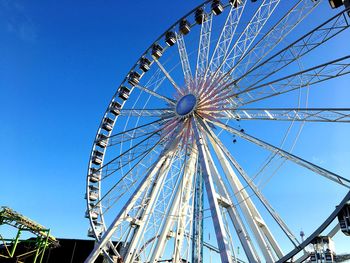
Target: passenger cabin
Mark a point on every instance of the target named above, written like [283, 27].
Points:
[145, 64]
[170, 38]
[124, 92]
[157, 51]
[102, 140]
[344, 219]
[324, 250]
[216, 7]
[134, 79]
[97, 157]
[91, 233]
[200, 16]
[336, 3]
[107, 124]
[94, 175]
[235, 3]
[94, 214]
[184, 27]
[93, 195]
[115, 108]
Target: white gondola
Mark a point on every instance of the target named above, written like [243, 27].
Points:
[91, 233]
[157, 51]
[184, 27]
[145, 64]
[216, 7]
[115, 108]
[134, 79]
[124, 92]
[170, 38]
[93, 195]
[336, 3]
[344, 219]
[236, 3]
[94, 175]
[97, 157]
[107, 124]
[102, 140]
[200, 16]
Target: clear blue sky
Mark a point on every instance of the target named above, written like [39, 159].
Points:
[60, 63]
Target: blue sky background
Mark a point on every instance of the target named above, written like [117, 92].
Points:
[60, 63]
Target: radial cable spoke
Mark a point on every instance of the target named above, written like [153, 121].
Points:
[186, 67]
[290, 114]
[153, 93]
[167, 75]
[305, 78]
[146, 112]
[297, 49]
[298, 160]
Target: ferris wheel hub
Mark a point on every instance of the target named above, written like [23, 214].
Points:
[186, 105]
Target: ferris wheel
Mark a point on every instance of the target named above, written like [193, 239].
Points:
[201, 134]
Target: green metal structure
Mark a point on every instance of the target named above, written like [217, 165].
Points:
[34, 247]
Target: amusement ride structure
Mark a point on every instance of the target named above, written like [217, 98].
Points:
[33, 249]
[178, 155]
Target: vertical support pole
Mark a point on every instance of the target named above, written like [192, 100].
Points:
[220, 232]
[197, 240]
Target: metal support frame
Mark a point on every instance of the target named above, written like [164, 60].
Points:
[220, 231]
[186, 67]
[37, 246]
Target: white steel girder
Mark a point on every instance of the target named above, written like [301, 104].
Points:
[251, 184]
[225, 201]
[251, 214]
[142, 222]
[173, 212]
[219, 227]
[123, 214]
[184, 205]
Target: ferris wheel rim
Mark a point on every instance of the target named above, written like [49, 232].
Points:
[121, 108]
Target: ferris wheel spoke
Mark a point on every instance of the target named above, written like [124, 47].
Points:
[149, 204]
[169, 220]
[155, 94]
[147, 112]
[123, 185]
[226, 35]
[289, 114]
[168, 76]
[140, 127]
[249, 34]
[276, 34]
[224, 153]
[158, 169]
[184, 205]
[128, 150]
[186, 67]
[295, 159]
[298, 49]
[204, 47]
